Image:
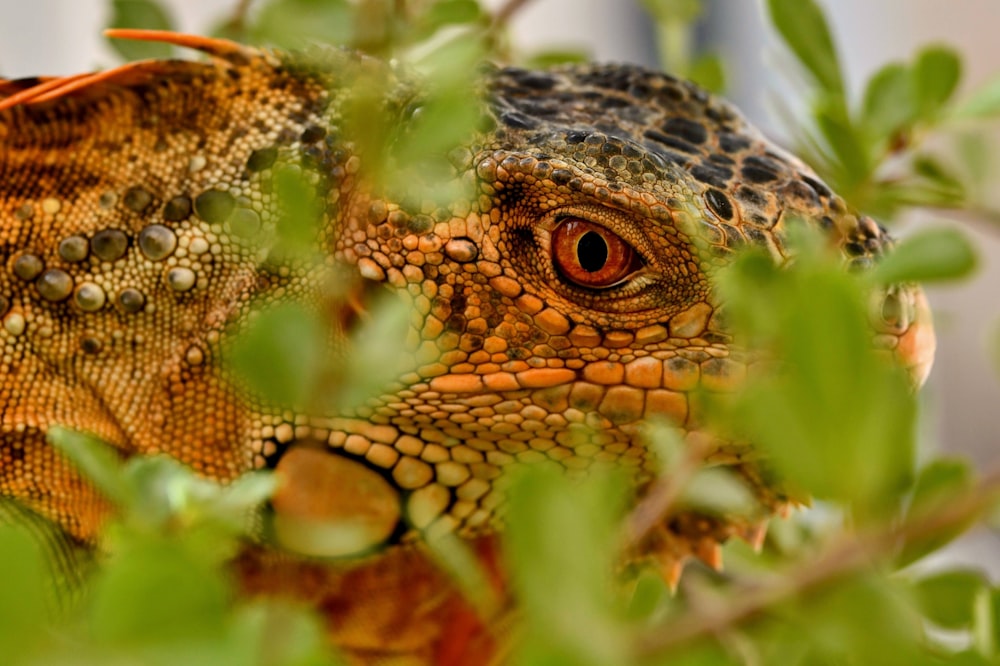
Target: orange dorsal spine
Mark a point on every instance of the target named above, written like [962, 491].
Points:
[217, 48]
[49, 89]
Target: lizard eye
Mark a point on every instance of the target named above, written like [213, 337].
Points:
[590, 255]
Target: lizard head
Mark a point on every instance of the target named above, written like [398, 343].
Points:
[569, 296]
[563, 300]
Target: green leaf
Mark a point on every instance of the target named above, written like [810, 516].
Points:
[23, 616]
[379, 352]
[231, 504]
[937, 484]
[155, 591]
[282, 353]
[457, 557]
[930, 183]
[649, 593]
[936, 74]
[276, 633]
[720, 492]
[812, 320]
[984, 103]
[938, 173]
[445, 120]
[95, 459]
[709, 72]
[961, 658]
[684, 11]
[145, 15]
[704, 653]
[803, 26]
[846, 143]
[975, 152]
[888, 102]
[553, 57]
[227, 29]
[912, 191]
[562, 576]
[451, 12]
[948, 598]
[166, 496]
[295, 23]
[301, 215]
[986, 623]
[159, 490]
[932, 255]
[861, 619]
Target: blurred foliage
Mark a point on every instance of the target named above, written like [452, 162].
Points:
[909, 141]
[560, 576]
[674, 22]
[159, 595]
[832, 586]
[839, 424]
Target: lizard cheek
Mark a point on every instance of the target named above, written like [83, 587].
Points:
[590, 255]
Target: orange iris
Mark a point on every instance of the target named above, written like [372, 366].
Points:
[590, 255]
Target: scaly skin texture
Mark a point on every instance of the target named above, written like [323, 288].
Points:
[132, 208]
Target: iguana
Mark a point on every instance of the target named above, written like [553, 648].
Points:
[567, 297]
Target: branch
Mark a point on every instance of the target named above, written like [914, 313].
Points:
[237, 21]
[503, 15]
[846, 556]
[658, 502]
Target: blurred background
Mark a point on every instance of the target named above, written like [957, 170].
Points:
[963, 394]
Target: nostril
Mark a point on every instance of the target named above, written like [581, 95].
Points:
[891, 310]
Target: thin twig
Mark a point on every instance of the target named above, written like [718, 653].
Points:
[503, 15]
[236, 24]
[844, 557]
[239, 17]
[663, 494]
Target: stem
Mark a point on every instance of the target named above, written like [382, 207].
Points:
[675, 47]
[238, 19]
[503, 15]
[663, 494]
[493, 34]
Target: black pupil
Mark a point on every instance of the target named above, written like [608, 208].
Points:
[592, 251]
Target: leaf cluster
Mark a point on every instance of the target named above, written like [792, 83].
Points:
[160, 594]
[878, 151]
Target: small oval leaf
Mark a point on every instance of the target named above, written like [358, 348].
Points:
[929, 256]
[804, 28]
[888, 103]
[948, 598]
[936, 74]
[984, 103]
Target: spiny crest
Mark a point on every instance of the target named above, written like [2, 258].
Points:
[34, 91]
